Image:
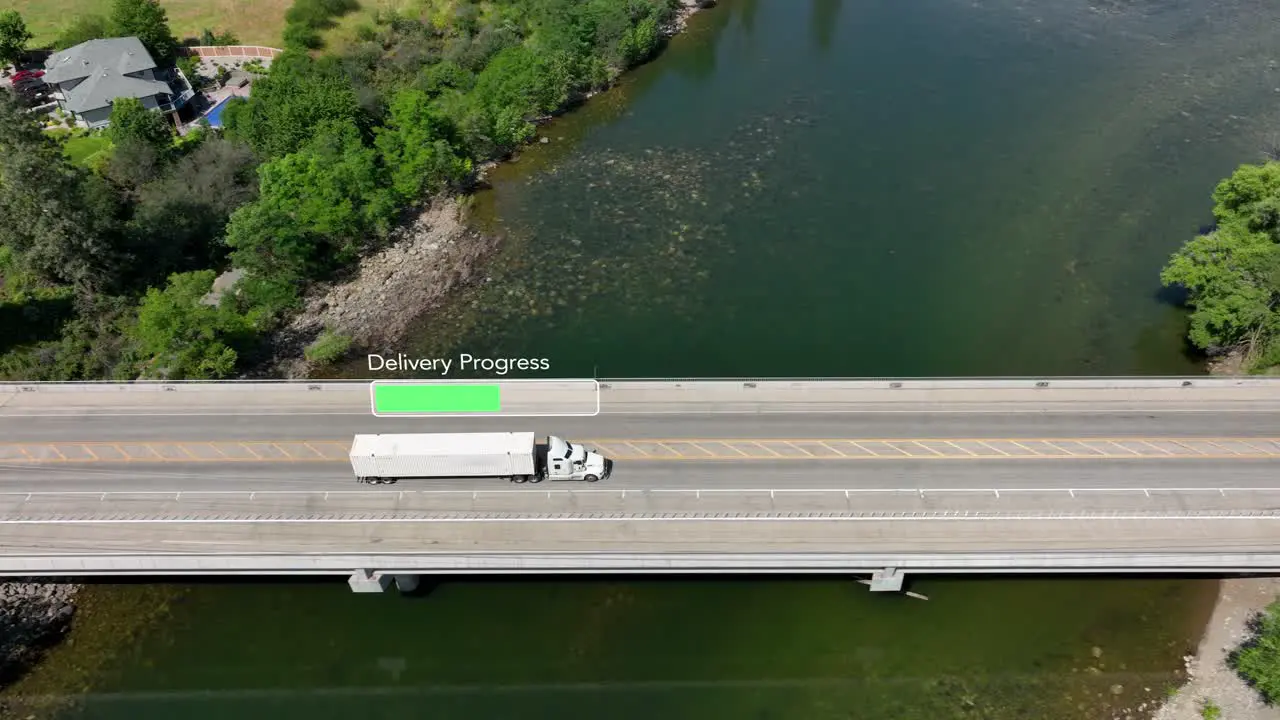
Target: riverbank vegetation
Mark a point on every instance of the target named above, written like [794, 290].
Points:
[105, 268]
[1232, 272]
[1258, 660]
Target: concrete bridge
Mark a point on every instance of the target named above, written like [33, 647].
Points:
[881, 477]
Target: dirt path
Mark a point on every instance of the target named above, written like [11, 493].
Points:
[1211, 679]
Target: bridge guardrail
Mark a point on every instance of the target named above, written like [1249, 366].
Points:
[692, 384]
[717, 505]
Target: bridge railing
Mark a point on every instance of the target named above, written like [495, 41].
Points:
[693, 383]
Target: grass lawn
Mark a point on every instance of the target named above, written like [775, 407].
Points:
[254, 22]
[82, 149]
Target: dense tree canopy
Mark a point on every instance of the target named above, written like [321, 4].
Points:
[130, 121]
[148, 21]
[1232, 273]
[420, 145]
[179, 337]
[59, 220]
[289, 105]
[83, 28]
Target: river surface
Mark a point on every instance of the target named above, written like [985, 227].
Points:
[801, 188]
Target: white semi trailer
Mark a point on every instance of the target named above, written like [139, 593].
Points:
[384, 459]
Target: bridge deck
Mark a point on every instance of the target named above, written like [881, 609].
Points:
[745, 449]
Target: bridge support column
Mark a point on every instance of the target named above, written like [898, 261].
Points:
[407, 583]
[887, 580]
[364, 581]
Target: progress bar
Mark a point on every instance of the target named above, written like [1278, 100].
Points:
[471, 398]
[718, 449]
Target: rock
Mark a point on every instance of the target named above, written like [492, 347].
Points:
[33, 615]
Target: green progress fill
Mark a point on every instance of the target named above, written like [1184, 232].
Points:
[436, 398]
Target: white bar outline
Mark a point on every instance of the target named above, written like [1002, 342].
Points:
[373, 404]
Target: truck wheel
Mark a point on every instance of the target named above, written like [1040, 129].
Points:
[535, 478]
[591, 478]
[519, 478]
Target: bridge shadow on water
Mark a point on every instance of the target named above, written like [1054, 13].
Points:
[431, 583]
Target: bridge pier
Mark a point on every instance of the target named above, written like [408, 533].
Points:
[887, 580]
[364, 581]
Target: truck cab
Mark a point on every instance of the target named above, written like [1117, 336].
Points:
[569, 461]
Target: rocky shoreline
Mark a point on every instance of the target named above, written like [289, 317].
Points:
[1210, 680]
[33, 617]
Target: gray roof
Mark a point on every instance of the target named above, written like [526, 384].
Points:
[104, 66]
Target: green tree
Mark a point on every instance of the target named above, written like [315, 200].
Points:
[1258, 660]
[418, 146]
[289, 104]
[146, 20]
[179, 337]
[14, 37]
[179, 219]
[315, 209]
[60, 221]
[83, 29]
[91, 346]
[130, 121]
[1232, 273]
[333, 187]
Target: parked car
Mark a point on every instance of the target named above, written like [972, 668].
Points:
[25, 75]
[32, 85]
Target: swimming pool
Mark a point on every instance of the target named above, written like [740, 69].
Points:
[214, 116]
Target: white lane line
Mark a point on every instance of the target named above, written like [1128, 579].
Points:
[654, 490]
[753, 412]
[686, 518]
[210, 542]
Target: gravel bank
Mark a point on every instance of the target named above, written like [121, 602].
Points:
[426, 260]
[1210, 677]
[33, 616]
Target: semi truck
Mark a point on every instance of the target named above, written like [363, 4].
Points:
[517, 456]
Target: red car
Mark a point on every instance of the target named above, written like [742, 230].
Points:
[22, 75]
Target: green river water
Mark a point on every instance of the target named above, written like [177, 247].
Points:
[798, 188]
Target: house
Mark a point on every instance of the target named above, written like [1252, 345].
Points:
[87, 78]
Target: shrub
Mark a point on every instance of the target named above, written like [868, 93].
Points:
[327, 348]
